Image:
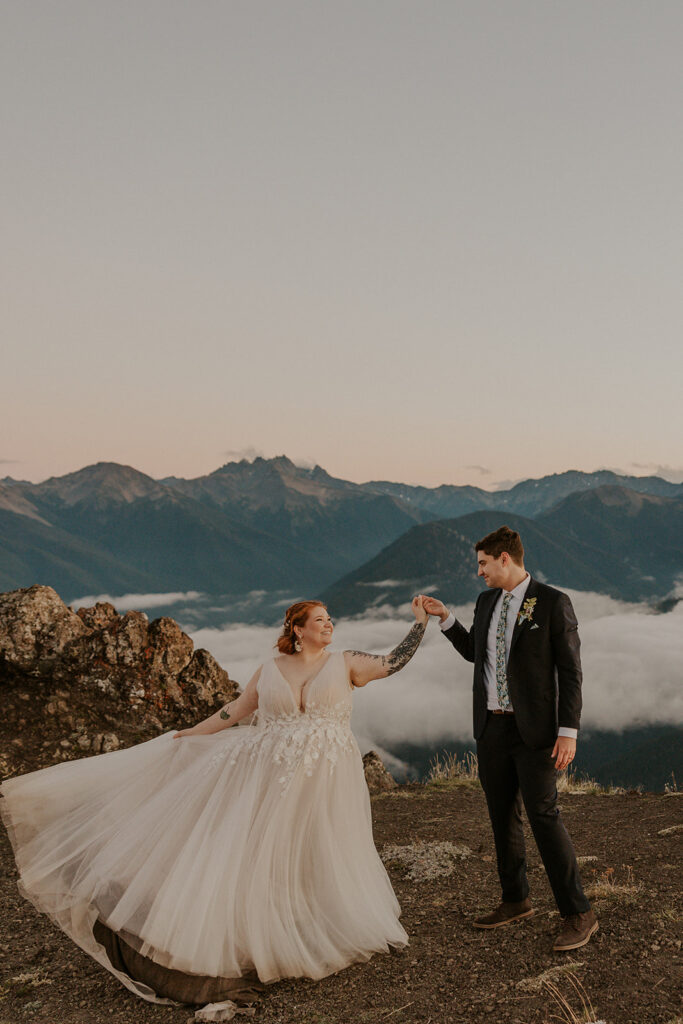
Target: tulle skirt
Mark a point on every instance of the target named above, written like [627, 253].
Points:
[218, 856]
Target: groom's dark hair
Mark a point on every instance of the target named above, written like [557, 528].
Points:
[502, 539]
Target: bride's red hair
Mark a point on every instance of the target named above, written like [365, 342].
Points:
[296, 615]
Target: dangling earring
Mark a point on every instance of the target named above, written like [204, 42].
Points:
[298, 646]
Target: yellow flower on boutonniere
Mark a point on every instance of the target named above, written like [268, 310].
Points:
[526, 613]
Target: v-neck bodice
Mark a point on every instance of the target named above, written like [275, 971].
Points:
[328, 689]
[308, 684]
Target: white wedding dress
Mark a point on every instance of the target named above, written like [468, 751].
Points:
[247, 850]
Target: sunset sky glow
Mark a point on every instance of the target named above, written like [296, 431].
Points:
[436, 242]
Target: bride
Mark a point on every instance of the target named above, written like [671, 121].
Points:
[204, 863]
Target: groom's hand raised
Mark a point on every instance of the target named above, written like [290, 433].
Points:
[433, 606]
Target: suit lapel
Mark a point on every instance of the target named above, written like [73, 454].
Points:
[531, 591]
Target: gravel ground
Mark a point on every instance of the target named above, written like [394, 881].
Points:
[450, 973]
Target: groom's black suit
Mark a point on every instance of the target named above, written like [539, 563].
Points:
[514, 751]
[543, 669]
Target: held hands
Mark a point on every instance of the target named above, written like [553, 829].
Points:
[433, 606]
[418, 609]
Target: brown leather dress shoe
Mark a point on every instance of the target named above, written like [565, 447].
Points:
[576, 931]
[506, 913]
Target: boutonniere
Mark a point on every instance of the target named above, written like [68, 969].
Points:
[526, 613]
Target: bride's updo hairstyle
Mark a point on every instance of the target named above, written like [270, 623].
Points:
[296, 615]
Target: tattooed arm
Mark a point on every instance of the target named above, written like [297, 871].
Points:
[229, 714]
[365, 667]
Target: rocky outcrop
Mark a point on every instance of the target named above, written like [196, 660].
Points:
[35, 629]
[94, 680]
[376, 775]
[76, 683]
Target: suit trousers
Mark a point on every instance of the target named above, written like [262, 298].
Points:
[513, 773]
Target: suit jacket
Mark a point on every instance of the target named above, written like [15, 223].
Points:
[543, 669]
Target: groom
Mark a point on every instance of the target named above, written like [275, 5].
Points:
[527, 704]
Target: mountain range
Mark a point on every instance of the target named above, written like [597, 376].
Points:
[610, 540]
[271, 525]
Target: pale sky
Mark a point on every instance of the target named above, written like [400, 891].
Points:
[427, 241]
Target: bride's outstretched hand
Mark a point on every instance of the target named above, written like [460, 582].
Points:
[418, 609]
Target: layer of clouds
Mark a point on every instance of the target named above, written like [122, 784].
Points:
[674, 474]
[671, 473]
[632, 662]
[506, 485]
[237, 454]
[131, 602]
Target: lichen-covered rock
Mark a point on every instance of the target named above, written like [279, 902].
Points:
[111, 656]
[204, 678]
[169, 652]
[35, 629]
[98, 680]
[376, 775]
[99, 615]
[110, 741]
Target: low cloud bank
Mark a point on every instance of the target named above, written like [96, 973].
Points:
[632, 662]
[132, 602]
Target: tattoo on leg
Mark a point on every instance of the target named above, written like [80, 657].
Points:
[225, 715]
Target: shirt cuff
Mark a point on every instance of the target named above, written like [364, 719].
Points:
[564, 730]
[447, 623]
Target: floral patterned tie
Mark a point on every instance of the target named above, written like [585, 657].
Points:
[501, 671]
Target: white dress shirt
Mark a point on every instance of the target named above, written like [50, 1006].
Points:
[516, 599]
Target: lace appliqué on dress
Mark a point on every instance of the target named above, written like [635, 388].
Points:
[320, 731]
[298, 739]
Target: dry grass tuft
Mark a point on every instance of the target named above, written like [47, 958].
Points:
[6, 769]
[583, 1014]
[671, 788]
[605, 886]
[574, 785]
[670, 831]
[537, 983]
[446, 770]
[668, 916]
[589, 859]
[22, 984]
[425, 861]
[399, 794]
